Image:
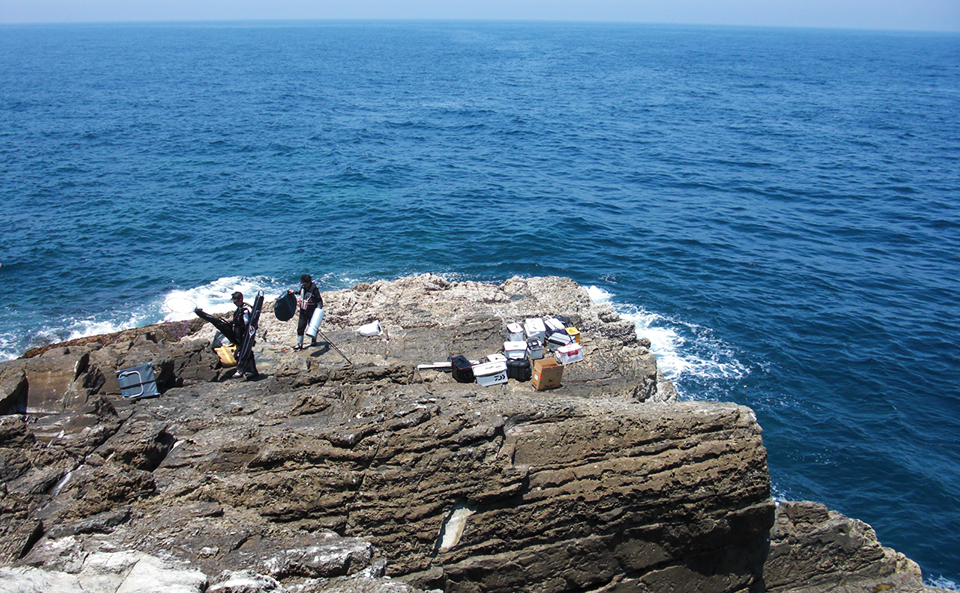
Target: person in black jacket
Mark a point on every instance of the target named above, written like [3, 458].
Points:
[236, 331]
[308, 300]
[246, 365]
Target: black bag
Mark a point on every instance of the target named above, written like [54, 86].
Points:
[519, 369]
[461, 368]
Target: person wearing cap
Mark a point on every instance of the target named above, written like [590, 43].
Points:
[308, 299]
[246, 366]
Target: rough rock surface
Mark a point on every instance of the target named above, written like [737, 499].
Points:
[347, 469]
[813, 550]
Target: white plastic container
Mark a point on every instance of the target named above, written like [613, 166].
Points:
[570, 353]
[514, 332]
[490, 373]
[559, 339]
[314, 326]
[534, 328]
[497, 357]
[534, 348]
[554, 326]
[369, 330]
[516, 349]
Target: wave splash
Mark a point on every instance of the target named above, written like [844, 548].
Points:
[690, 355]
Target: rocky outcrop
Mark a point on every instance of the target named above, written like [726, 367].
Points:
[348, 469]
[814, 549]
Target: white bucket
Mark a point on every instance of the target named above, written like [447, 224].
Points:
[314, 326]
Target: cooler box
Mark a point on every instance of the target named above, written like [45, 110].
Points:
[138, 382]
[547, 374]
[517, 349]
[559, 339]
[534, 349]
[490, 373]
[575, 334]
[514, 332]
[572, 352]
[496, 357]
[534, 328]
[554, 326]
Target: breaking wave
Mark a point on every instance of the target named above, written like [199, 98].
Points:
[690, 355]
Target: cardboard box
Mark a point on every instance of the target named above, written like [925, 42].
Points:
[547, 374]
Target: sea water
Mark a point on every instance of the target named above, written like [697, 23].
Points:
[776, 209]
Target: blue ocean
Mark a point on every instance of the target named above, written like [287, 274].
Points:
[778, 210]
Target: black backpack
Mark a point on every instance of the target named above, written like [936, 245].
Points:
[462, 369]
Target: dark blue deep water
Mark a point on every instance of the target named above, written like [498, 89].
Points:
[779, 210]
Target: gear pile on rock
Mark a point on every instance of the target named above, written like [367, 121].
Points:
[375, 475]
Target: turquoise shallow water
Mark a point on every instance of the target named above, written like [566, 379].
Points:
[776, 209]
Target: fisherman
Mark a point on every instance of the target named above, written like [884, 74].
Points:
[246, 365]
[236, 332]
[308, 300]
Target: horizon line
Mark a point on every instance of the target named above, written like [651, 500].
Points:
[289, 21]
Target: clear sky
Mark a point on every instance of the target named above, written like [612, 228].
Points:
[927, 15]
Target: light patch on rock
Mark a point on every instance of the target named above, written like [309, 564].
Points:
[453, 526]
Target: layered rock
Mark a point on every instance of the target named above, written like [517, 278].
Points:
[347, 469]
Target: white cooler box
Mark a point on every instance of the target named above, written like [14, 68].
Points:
[514, 332]
[516, 349]
[557, 340]
[535, 348]
[534, 328]
[570, 353]
[554, 326]
[490, 373]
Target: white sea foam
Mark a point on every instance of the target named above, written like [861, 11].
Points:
[686, 353]
[214, 297]
[8, 348]
[942, 583]
[599, 295]
[81, 328]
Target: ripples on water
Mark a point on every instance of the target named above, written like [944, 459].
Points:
[776, 209]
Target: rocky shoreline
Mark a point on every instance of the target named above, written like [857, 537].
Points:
[346, 468]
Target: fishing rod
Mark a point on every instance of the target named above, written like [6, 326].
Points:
[334, 346]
